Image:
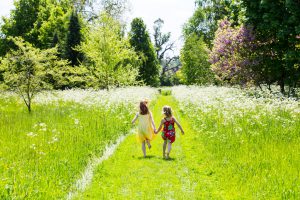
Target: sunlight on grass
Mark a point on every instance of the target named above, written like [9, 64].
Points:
[252, 144]
[43, 153]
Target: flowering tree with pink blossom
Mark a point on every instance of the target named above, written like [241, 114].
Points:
[232, 56]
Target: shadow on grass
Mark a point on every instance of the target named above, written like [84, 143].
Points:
[147, 157]
[155, 157]
[169, 159]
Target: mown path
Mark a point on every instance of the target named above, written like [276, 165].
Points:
[127, 175]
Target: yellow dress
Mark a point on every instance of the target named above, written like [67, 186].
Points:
[145, 129]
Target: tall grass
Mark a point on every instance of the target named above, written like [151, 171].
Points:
[43, 153]
[252, 144]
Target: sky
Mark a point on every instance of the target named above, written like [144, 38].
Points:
[174, 13]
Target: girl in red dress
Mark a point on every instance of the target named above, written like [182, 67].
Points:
[168, 133]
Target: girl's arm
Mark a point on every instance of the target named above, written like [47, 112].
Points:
[160, 127]
[135, 118]
[152, 121]
[178, 125]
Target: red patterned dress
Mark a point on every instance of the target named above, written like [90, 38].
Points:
[168, 132]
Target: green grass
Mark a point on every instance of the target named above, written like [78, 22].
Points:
[251, 159]
[165, 91]
[43, 153]
[234, 148]
[252, 145]
[127, 175]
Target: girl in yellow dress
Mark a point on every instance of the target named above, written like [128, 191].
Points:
[146, 126]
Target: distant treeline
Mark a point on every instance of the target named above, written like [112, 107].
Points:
[244, 42]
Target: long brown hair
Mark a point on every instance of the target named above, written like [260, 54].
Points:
[144, 107]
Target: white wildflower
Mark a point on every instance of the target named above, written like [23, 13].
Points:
[76, 121]
[31, 134]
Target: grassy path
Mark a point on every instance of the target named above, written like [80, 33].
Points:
[127, 175]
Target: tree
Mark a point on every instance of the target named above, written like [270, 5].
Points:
[140, 41]
[20, 23]
[27, 67]
[109, 56]
[115, 8]
[73, 40]
[162, 42]
[169, 63]
[204, 21]
[51, 25]
[194, 59]
[276, 26]
[232, 53]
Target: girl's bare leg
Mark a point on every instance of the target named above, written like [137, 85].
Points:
[148, 143]
[169, 149]
[164, 148]
[144, 149]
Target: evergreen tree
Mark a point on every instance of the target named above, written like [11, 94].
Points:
[55, 40]
[140, 40]
[73, 40]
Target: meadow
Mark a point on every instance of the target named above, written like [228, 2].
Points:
[251, 139]
[44, 152]
[238, 144]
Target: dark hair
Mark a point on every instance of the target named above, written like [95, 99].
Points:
[167, 111]
[144, 108]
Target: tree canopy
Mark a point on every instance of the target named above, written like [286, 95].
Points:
[141, 42]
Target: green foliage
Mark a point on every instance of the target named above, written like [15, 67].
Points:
[26, 69]
[73, 40]
[110, 58]
[51, 25]
[204, 21]
[21, 23]
[194, 58]
[165, 92]
[276, 26]
[140, 40]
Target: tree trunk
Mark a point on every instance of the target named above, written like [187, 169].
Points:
[29, 107]
[281, 84]
[269, 87]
